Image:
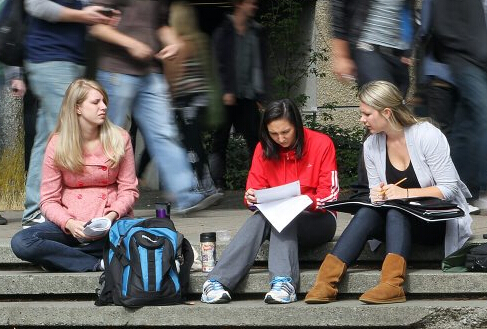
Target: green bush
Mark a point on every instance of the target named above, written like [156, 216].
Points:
[347, 145]
[238, 163]
[292, 59]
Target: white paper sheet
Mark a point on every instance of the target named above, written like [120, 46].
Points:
[281, 204]
[278, 193]
[97, 227]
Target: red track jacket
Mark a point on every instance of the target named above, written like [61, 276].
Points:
[316, 170]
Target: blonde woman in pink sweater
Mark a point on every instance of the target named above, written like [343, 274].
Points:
[88, 172]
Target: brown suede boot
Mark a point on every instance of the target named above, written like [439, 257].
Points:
[389, 290]
[325, 288]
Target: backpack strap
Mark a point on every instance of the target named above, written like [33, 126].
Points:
[106, 284]
[185, 268]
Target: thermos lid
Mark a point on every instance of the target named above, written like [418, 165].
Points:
[163, 209]
[208, 237]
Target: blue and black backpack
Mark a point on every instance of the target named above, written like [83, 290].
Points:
[147, 262]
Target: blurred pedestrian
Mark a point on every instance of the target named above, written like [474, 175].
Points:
[372, 40]
[129, 70]
[54, 57]
[239, 48]
[458, 33]
[188, 75]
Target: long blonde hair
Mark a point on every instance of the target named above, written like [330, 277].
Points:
[183, 19]
[381, 95]
[69, 147]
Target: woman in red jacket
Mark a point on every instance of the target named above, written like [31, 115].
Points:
[287, 152]
[88, 172]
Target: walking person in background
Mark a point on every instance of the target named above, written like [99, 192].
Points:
[54, 57]
[458, 34]
[400, 145]
[239, 48]
[372, 40]
[188, 75]
[287, 152]
[88, 172]
[129, 70]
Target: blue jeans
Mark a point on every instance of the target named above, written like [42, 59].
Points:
[469, 135]
[48, 82]
[392, 226]
[146, 99]
[47, 245]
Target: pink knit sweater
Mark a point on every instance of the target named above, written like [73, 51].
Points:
[95, 192]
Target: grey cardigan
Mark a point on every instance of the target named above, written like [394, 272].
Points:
[430, 157]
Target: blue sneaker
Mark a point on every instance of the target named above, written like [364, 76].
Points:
[214, 293]
[282, 291]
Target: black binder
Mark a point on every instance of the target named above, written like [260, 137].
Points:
[426, 208]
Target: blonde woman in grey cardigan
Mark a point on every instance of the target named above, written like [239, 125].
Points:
[400, 146]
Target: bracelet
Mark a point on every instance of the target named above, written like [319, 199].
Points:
[407, 193]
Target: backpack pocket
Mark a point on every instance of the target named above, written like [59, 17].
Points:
[151, 276]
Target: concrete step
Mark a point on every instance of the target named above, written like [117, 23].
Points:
[424, 282]
[419, 253]
[425, 314]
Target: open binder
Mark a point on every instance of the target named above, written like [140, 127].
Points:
[427, 208]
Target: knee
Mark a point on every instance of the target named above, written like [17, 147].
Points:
[366, 215]
[257, 219]
[22, 246]
[257, 223]
[396, 217]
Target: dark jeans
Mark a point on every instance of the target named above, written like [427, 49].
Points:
[373, 65]
[245, 117]
[47, 245]
[469, 135]
[441, 100]
[188, 116]
[395, 228]
[190, 110]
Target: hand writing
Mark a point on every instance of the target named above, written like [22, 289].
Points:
[392, 191]
[377, 193]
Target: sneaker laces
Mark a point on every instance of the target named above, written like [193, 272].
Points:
[214, 285]
[278, 281]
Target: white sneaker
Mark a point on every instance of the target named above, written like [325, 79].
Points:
[282, 291]
[473, 210]
[39, 219]
[206, 202]
[214, 293]
[480, 203]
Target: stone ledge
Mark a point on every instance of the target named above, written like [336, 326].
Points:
[418, 253]
[356, 281]
[250, 313]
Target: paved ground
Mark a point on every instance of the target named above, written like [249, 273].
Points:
[228, 215]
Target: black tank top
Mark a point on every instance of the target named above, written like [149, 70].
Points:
[394, 175]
